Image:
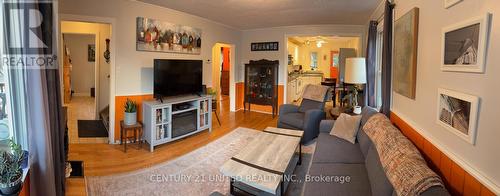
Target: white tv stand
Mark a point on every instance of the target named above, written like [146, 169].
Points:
[166, 121]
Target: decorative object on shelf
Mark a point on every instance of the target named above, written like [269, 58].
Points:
[158, 36]
[405, 54]
[91, 53]
[355, 73]
[464, 45]
[130, 112]
[107, 54]
[11, 170]
[450, 3]
[264, 46]
[458, 113]
[261, 84]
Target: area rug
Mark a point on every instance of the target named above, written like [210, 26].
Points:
[91, 128]
[196, 173]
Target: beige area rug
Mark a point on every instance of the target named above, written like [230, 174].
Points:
[196, 173]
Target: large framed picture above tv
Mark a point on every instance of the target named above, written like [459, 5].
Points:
[177, 77]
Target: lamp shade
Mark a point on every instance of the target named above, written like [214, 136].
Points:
[355, 71]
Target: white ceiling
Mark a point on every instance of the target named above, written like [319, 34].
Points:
[252, 14]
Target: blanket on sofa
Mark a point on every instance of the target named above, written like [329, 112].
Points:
[315, 92]
[403, 164]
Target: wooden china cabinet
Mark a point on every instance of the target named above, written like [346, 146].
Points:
[261, 84]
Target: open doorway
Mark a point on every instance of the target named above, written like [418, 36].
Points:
[315, 59]
[86, 80]
[222, 79]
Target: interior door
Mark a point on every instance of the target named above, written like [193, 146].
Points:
[224, 82]
[345, 53]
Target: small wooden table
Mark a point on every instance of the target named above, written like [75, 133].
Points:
[335, 112]
[261, 166]
[137, 130]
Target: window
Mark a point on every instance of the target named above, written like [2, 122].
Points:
[314, 60]
[378, 65]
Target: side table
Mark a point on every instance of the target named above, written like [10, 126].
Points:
[137, 129]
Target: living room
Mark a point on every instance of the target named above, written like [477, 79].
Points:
[198, 98]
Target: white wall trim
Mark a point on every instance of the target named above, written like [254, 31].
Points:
[457, 159]
[112, 87]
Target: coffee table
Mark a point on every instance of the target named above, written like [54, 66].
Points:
[260, 168]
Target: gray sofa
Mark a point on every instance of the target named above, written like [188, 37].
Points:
[360, 161]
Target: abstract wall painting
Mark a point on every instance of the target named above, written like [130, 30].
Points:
[159, 36]
[405, 54]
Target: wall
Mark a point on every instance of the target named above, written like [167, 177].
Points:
[480, 160]
[101, 32]
[83, 71]
[134, 69]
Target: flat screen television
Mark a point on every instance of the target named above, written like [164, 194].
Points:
[177, 77]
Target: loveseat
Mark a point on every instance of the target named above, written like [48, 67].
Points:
[359, 162]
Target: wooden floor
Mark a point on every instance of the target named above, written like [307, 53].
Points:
[106, 159]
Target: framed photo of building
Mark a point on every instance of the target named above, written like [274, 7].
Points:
[458, 112]
[91, 53]
[464, 45]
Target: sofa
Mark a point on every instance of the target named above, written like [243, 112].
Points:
[359, 161]
[305, 117]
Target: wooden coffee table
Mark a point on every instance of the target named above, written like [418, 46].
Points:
[261, 166]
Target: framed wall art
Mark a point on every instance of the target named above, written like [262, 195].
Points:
[405, 54]
[264, 46]
[159, 36]
[464, 45]
[458, 112]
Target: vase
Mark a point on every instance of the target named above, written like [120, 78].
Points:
[11, 188]
[130, 118]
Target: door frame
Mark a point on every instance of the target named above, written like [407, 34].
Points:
[232, 71]
[112, 47]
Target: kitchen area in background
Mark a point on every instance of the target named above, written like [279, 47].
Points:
[313, 59]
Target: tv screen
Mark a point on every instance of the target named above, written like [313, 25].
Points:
[177, 77]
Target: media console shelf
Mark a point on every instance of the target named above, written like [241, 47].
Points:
[175, 118]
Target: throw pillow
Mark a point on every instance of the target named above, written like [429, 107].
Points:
[346, 127]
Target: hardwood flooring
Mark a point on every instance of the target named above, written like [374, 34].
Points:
[106, 159]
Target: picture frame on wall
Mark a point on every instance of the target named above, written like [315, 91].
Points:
[451, 3]
[405, 54]
[264, 46]
[458, 112]
[91, 53]
[464, 45]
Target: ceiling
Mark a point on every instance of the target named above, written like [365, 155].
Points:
[252, 14]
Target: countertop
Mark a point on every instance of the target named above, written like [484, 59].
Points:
[294, 75]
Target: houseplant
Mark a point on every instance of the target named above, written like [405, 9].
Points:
[130, 112]
[11, 172]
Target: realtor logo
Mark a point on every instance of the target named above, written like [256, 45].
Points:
[29, 27]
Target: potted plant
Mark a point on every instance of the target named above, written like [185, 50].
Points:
[11, 172]
[130, 112]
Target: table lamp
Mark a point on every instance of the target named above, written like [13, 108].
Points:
[355, 73]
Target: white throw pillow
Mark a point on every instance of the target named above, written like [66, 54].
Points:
[346, 127]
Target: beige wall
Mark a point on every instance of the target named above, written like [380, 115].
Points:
[483, 158]
[134, 69]
[101, 33]
[83, 71]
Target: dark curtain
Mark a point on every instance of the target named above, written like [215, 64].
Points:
[387, 59]
[371, 53]
[36, 96]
